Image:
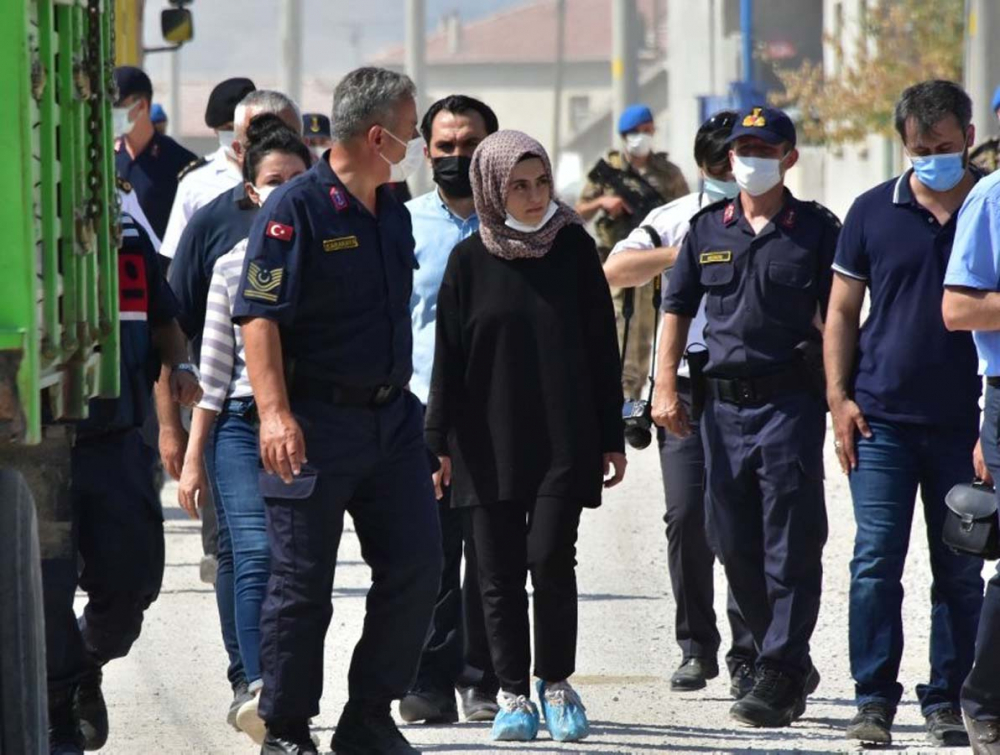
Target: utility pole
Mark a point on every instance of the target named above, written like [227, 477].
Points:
[624, 68]
[557, 88]
[174, 105]
[290, 34]
[982, 62]
[415, 45]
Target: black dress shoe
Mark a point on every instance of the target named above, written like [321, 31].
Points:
[811, 681]
[693, 674]
[945, 729]
[91, 710]
[429, 707]
[741, 680]
[288, 739]
[64, 728]
[872, 724]
[984, 736]
[366, 729]
[776, 700]
[478, 704]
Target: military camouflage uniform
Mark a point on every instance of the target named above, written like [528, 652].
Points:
[986, 156]
[666, 178]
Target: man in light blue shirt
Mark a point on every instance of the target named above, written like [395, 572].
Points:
[456, 655]
[972, 302]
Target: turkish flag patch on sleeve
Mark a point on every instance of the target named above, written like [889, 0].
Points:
[279, 231]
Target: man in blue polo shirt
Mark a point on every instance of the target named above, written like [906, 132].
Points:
[457, 653]
[904, 400]
[972, 302]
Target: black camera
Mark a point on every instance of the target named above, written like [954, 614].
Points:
[638, 418]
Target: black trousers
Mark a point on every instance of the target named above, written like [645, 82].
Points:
[691, 552]
[512, 539]
[97, 504]
[457, 653]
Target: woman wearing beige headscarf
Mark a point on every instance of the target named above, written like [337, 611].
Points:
[524, 413]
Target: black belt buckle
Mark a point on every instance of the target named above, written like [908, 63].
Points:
[746, 393]
[382, 395]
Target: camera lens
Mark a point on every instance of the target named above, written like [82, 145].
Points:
[638, 437]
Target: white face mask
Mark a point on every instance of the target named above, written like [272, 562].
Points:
[638, 144]
[517, 225]
[120, 120]
[263, 192]
[756, 175]
[411, 161]
[318, 152]
[226, 139]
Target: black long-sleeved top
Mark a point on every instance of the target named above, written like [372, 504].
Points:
[526, 390]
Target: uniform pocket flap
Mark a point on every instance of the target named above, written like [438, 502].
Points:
[717, 273]
[787, 274]
[971, 502]
[272, 486]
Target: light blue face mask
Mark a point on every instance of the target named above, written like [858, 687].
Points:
[939, 172]
[716, 190]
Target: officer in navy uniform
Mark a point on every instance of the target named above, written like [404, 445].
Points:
[145, 158]
[324, 304]
[762, 262]
[118, 520]
[204, 179]
[316, 132]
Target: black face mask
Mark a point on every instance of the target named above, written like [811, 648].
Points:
[452, 175]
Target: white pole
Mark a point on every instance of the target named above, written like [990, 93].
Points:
[290, 35]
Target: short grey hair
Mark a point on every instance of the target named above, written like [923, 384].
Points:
[262, 101]
[367, 96]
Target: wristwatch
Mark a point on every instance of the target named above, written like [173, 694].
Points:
[188, 367]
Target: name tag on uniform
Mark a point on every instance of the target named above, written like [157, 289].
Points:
[709, 258]
[337, 244]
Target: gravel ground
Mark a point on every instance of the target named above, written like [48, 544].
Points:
[171, 694]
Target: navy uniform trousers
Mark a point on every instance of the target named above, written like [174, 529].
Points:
[981, 690]
[101, 509]
[692, 547]
[765, 492]
[371, 463]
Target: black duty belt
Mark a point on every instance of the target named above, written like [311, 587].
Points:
[344, 395]
[757, 390]
[993, 382]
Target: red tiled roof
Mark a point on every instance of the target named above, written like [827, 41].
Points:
[526, 34]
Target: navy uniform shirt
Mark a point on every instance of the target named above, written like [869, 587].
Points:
[909, 367]
[211, 232]
[145, 302]
[336, 278]
[153, 175]
[763, 292]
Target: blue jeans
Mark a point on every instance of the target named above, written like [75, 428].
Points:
[241, 506]
[891, 464]
[224, 576]
[981, 691]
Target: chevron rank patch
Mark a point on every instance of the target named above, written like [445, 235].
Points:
[340, 243]
[263, 284]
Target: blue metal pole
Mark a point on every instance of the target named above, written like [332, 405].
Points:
[746, 28]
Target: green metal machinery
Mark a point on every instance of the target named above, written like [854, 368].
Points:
[58, 246]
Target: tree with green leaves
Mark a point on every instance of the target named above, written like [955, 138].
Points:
[899, 43]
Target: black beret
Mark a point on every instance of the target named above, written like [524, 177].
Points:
[223, 100]
[131, 81]
[315, 124]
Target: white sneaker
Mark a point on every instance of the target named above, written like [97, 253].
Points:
[249, 721]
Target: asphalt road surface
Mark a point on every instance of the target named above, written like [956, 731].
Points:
[171, 694]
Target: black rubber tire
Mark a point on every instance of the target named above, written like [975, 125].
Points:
[23, 694]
